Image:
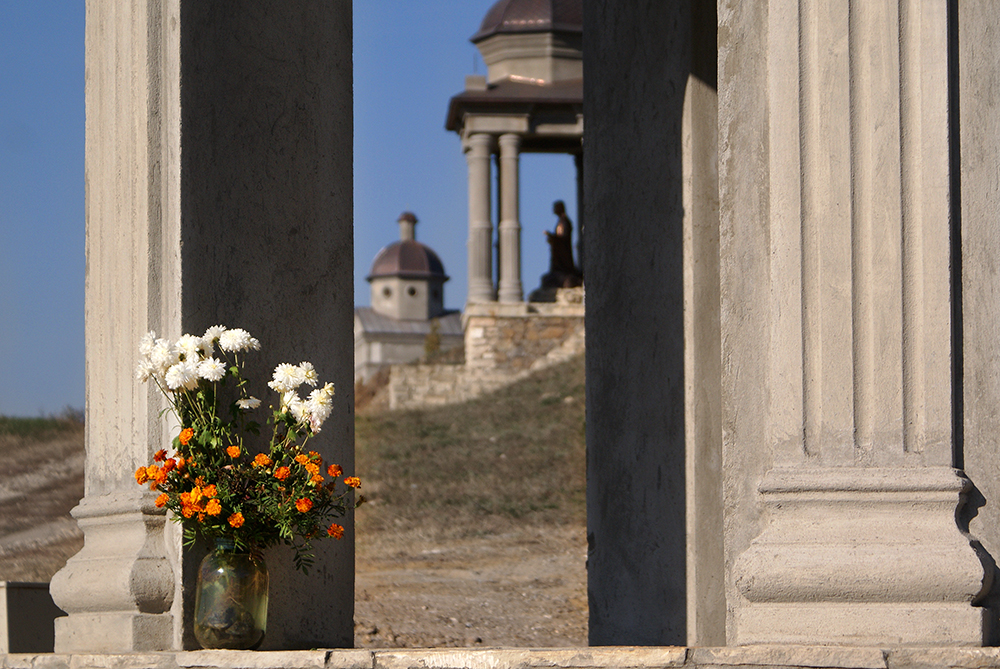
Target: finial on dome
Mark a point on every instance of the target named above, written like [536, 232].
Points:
[407, 226]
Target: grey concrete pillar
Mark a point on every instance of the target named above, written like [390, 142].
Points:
[477, 153]
[837, 328]
[228, 201]
[510, 289]
[580, 227]
[654, 565]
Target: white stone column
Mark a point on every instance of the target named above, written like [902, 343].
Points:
[229, 201]
[510, 289]
[477, 154]
[836, 328]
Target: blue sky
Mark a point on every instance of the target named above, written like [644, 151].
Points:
[409, 59]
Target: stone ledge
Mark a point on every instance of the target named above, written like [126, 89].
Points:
[598, 657]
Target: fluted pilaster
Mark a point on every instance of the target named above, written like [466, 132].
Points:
[854, 338]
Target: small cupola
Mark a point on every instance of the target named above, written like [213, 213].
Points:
[532, 41]
[407, 278]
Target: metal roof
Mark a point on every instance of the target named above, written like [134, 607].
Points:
[408, 259]
[521, 16]
[372, 322]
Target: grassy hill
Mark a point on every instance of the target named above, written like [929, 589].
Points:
[515, 458]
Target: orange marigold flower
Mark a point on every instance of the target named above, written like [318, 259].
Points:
[336, 531]
[316, 479]
[187, 511]
[213, 508]
[315, 457]
[209, 491]
[334, 470]
[233, 451]
[236, 520]
[303, 504]
[152, 471]
[186, 435]
[201, 517]
[281, 473]
[169, 465]
[353, 481]
[160, 456]
[261, 460]
[162, 500]
[312, 468]
[181, 462]
[302, 459]
[161, 476]
[200, 482]
[141, 476]
[195, 495]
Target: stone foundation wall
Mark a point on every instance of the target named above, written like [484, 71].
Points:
[607, 657]
[503, 343]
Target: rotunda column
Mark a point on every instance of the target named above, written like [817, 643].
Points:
[510, 224]
[477, 154]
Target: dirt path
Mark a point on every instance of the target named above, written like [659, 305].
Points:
[524, 589]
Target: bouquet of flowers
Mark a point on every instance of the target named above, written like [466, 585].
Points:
[212, 482]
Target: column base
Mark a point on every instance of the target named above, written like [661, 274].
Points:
[114, 632]
[861, 556]
[862, 624]
[119, 588]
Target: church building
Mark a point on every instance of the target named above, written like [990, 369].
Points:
[407, 306]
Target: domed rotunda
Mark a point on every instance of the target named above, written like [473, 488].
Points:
[407, 306]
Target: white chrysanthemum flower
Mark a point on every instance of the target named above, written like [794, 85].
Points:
[327, 391]
[145, 371]
[319, 405]
[213, 333]
[182, 375]
[286, 377]
[309, 374]
[211, 369]
[236, 339]
[164, 355]
[292, 403]
[300, 411]
[210, 336]
[287, 398]
[146, 343]
[191, 347]
[248, 403]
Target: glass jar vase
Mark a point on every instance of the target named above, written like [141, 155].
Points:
[230, 603]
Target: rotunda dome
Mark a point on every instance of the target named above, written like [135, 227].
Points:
[407, 259]
[531, 16]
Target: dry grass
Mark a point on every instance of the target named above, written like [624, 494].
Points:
[515, 457]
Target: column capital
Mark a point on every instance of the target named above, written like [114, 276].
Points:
[478, 144]
[509, 140]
